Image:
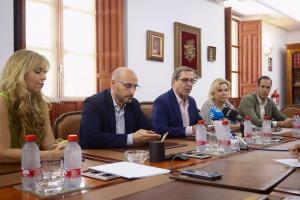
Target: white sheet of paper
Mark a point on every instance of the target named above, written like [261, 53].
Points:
[130, 170]
[289, 162]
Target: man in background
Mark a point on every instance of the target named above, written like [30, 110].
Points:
[113, 118]
[175, 111]
[257, 105]
[295, 151]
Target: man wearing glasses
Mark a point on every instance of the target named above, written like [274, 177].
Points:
[175, 111]
[113, 118]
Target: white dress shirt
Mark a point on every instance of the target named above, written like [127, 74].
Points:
[120, 122]
[184, 110]
[262, 106]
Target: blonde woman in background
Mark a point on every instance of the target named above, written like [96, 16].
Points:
[23, 108]
[218, 98]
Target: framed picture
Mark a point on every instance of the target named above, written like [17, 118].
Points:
[211, 53]
[155, 46]
[187, 47]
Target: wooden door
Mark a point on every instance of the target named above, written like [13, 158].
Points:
[250, 55]
[228, 53]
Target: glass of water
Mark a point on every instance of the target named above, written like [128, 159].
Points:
[213, 144]
[51, 179]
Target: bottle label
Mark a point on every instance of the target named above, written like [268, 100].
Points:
[248, 135]
[30, 172]
[266, 134]
[73, 173]
[201, 142]
[225, 142]
[296, 125]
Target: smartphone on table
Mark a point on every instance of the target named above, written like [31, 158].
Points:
[201, 174]
[99, 175]
[195, 154]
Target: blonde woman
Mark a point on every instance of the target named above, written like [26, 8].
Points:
[23, 108]
[218, 99]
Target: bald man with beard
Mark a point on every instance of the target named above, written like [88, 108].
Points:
[113, 118]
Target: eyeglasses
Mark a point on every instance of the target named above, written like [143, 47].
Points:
[187, 80]
[129, 85]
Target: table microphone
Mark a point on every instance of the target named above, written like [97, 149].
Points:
[216, 114]
[232, 115]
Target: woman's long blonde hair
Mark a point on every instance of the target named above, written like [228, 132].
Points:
[26, 107]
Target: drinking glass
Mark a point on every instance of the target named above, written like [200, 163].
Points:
[136, 156]
[51, 179]
[213, 144]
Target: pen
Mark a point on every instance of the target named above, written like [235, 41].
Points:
[164, 136]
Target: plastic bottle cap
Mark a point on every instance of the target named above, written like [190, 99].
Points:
[201, 122]
[225, 122]
[30, 138]
[247, 117]
[72, 138]
[266, 117]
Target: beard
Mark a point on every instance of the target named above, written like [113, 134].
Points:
[127, 99]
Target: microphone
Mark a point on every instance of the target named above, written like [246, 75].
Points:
[216, 114]
[232, 115]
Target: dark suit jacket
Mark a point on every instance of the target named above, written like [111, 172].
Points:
[166, 116]
[98, 123]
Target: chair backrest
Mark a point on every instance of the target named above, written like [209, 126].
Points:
[67, 123]
[290, 110]
[146, 107]
[235, 101]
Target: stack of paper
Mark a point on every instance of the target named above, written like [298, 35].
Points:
[130, 170]
[289, 162]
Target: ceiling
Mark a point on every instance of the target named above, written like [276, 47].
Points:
[281, 13]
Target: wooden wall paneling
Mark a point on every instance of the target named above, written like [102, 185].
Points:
[250, 55]
[69, 106]
[63, 107]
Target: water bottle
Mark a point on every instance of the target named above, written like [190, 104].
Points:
[226, 135]
[201, 140]
[72, 164]
[30, 163]
[266, 130]
[296, 123]
[248, 129]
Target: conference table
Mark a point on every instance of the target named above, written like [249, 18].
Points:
[248, 174]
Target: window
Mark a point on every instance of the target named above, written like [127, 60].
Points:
[65, 32]
[234, 58]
